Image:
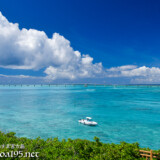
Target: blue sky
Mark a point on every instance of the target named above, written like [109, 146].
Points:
[112, 32]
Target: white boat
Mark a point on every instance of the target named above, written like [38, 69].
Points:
[88, 121]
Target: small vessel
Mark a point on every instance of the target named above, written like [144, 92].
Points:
[88, 121]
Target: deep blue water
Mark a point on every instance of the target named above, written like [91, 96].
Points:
[124, 113]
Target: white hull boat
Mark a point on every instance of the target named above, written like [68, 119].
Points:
[88, 121]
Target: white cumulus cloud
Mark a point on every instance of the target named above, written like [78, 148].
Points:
[136, 74]
[132, 71]
[32, 49]
[117, 71]
[83, 69]
[142, 71]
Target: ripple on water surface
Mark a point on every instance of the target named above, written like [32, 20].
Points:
[123, 113]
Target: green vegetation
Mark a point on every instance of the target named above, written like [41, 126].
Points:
[53, 149]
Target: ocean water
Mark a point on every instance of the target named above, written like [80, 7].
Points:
[123, 113]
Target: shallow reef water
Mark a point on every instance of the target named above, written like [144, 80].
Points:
[123, 113]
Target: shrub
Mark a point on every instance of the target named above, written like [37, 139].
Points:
[78, 149]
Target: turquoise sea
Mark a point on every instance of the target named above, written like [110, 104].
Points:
[123, 113]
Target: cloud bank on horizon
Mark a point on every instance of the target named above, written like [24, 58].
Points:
[32, 49]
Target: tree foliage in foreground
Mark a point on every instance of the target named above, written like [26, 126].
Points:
[78, 149]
